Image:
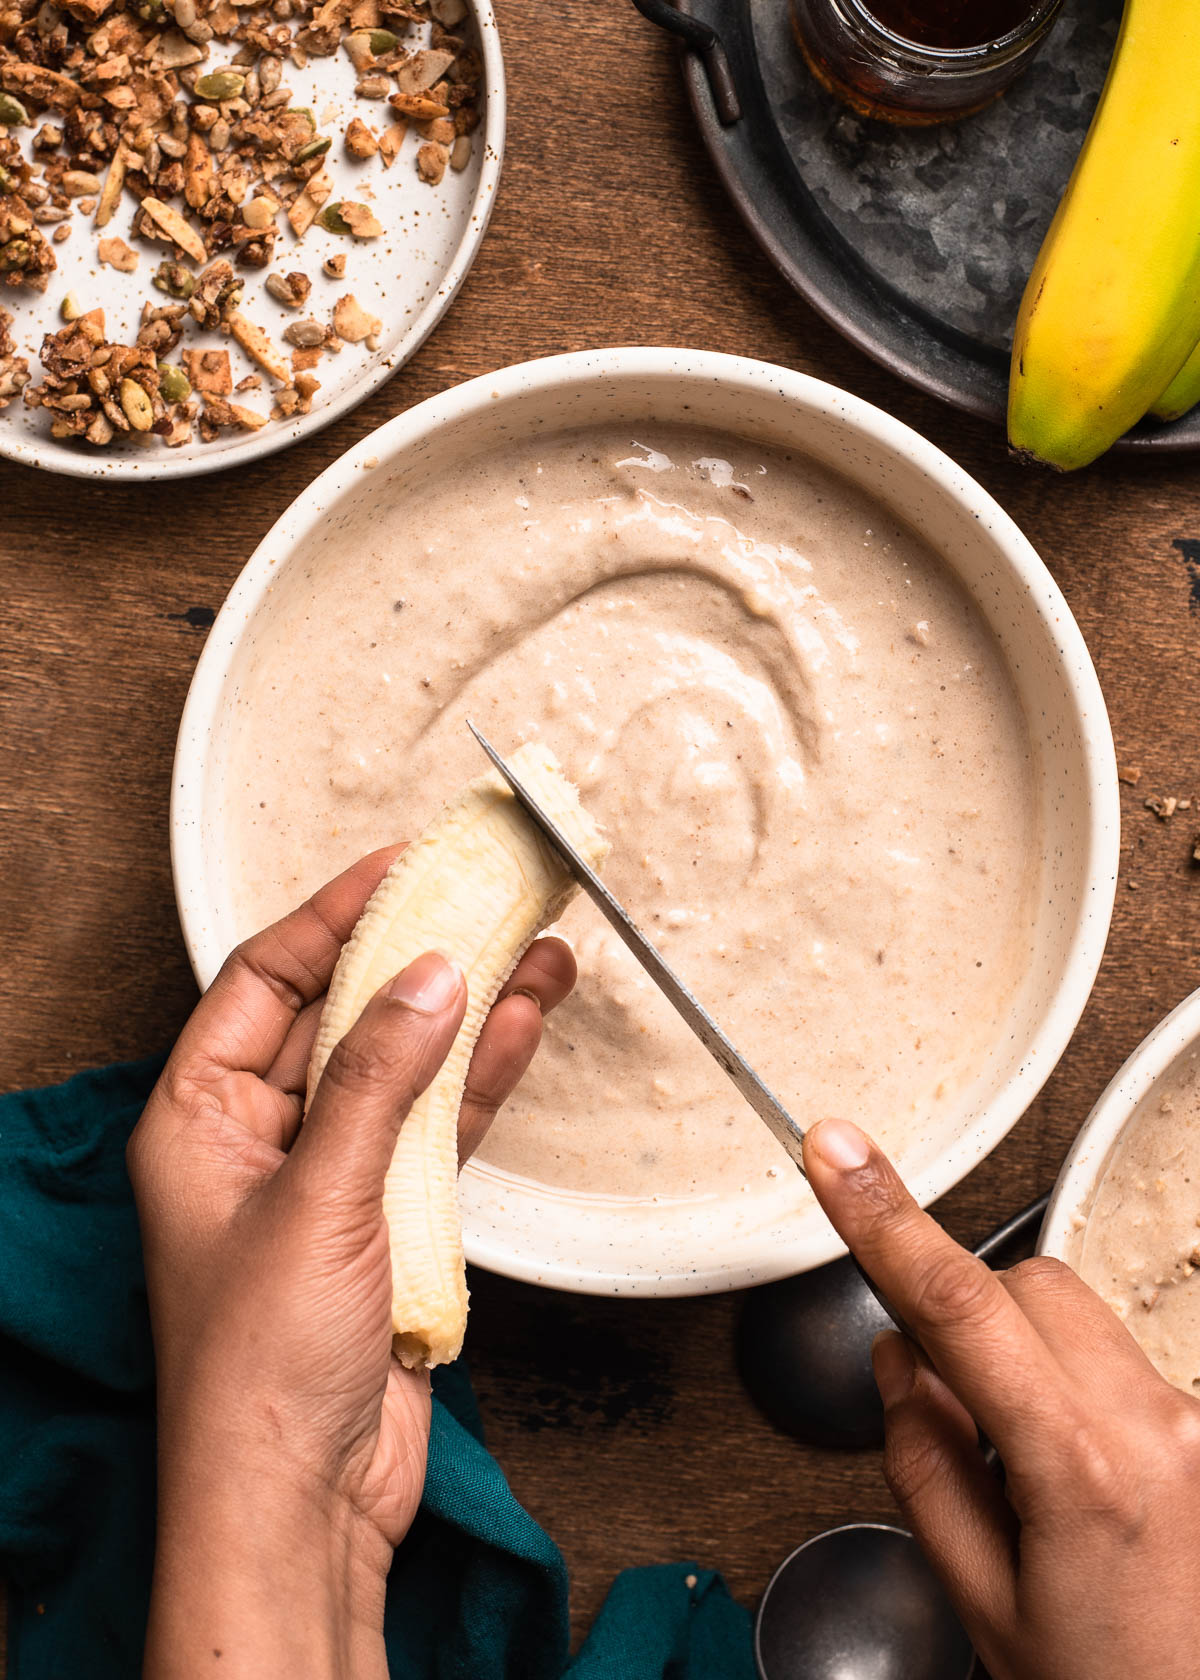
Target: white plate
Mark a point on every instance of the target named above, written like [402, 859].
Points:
[648, 1246]
[407, 278]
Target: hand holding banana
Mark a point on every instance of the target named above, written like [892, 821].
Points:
[1109, 326]
[291, 1441]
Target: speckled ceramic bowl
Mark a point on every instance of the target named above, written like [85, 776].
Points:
[1153, 1060]
[408, 279]
[659, 1247]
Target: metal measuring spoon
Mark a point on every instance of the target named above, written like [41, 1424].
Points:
[804, 1347]
[859, 1603]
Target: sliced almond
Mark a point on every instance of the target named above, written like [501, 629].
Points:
[175, 227]
[110, 193]
[249, 419]
[307, 203]
[259, 348]
[391, 140]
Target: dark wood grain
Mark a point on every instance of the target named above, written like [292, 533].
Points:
[625, 1433]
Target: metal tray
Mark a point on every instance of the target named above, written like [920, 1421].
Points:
[914, 243]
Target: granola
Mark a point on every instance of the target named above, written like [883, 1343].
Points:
[122, 100]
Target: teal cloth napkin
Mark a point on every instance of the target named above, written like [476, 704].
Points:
[477, 1591]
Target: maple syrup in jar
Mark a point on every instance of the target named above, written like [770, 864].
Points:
[919, 61]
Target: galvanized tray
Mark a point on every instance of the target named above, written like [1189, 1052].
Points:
[913, 243]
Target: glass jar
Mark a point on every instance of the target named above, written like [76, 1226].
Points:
[886, 75]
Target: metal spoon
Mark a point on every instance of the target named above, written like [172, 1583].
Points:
[804, 1347]
[859, 1603]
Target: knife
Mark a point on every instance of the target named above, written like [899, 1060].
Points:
[762, 1100]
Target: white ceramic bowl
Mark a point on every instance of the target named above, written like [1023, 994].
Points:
[1154, 1059]
[601, 1245]
[408, 279]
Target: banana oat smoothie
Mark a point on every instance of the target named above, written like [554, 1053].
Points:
[1140, 1246]
[798, 732]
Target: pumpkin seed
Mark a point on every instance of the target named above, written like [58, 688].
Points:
[136, 405]
[313, 148]
[332, 220]
[382, 41]
[173, 383]
[220, 84]
[12, 113]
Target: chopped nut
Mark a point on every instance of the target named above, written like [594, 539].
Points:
[209, 371]
[372, 87]
[418, 106]
[77, 183]
[431, 162]
[14, 369]
[360, 141]
[259, 213]
[1130, 773]
[1163, 806]
[335, 267]
[289, 289]
[117, 255]
[352, 322]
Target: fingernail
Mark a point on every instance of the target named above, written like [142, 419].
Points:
[840, 1144]
[428, 985]
[894, 1366]
[521, 991]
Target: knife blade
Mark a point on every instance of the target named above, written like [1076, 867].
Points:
[761, 1098]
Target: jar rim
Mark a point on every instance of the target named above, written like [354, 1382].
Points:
[1000, 46]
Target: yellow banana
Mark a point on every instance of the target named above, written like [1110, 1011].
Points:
[1112, 308]
[478, 885]
[1183, 393]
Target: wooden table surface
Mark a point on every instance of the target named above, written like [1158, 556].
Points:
[622, 1426]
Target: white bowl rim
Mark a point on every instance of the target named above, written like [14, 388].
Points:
[1111, 1113]
[280, 435]
[550, 373]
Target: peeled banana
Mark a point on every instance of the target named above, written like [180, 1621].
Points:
[1112, 308]
[478, 886]
[1183, 393]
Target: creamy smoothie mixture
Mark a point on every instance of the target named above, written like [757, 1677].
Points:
[799, 734]
[1140, 1246]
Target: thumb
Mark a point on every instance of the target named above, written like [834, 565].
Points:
[373, 1077]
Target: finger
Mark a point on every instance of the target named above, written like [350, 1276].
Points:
[289, 1071]
[945, 1491]
[1089, 1341]
[973, 1331]
[510, 1036]
[244, 1017]
[547, 972]
[372, 1079]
